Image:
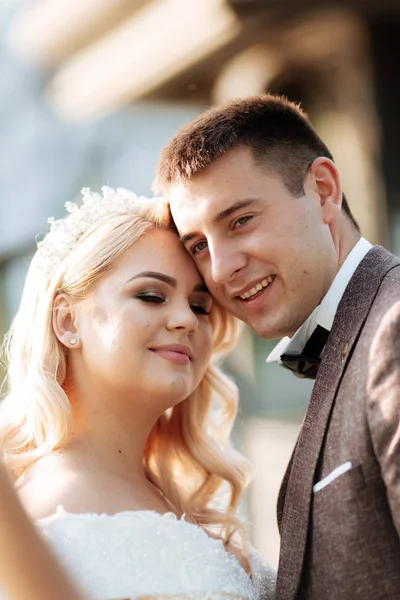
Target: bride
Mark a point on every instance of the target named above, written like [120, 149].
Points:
[117, 421]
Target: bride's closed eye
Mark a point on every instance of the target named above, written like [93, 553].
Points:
[201, 309]
[153, 297]
[150, 297]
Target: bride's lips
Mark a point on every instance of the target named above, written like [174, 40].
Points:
[177, 353]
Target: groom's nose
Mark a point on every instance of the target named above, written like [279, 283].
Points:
[226, 261]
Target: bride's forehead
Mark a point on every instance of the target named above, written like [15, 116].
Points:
[159, 246]
[158, 251]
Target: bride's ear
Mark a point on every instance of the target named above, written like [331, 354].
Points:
[64, 322]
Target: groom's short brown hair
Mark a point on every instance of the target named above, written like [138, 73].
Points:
[277, 132]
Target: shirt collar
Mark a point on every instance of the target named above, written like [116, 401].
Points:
[325, 312]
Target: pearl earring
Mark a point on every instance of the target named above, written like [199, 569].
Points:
[73, 341]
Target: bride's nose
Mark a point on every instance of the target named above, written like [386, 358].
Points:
[181, 316]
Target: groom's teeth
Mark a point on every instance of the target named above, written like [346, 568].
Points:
[257, 288]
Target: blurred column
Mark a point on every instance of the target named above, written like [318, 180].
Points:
[268, 444]
[49, 31]
[159, 41]
[384, 32]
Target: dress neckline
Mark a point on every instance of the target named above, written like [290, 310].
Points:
[61, 512]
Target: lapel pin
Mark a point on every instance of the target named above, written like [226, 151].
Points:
[346, 349]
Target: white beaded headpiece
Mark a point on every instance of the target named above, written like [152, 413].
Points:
[64, 233]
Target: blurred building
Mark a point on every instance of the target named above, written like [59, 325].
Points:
[91, 90]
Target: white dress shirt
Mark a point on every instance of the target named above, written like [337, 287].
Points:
[325, 312]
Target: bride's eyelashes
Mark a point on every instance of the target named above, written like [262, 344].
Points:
[152, 297]
[200, 309]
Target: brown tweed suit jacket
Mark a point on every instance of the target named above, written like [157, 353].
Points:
[342, 541]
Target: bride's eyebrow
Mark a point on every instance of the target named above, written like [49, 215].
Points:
[155, 275]
[199, 287]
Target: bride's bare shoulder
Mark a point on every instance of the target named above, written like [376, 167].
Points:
[52, 482]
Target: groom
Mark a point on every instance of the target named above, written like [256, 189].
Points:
[257, 201]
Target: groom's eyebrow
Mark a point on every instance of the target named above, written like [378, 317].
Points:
[184, 239]
[227, 212]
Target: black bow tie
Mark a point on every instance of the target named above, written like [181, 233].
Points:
[306, 364]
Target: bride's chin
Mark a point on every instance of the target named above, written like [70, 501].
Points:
[169, 394]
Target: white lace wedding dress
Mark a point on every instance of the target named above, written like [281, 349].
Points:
[142, 553]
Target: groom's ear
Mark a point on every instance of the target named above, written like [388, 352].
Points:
[326, 182]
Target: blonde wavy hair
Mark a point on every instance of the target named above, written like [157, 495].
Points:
[188, 455]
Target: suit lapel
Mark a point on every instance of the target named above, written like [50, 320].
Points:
[296, 493]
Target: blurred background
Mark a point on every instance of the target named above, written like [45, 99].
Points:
[91, 90]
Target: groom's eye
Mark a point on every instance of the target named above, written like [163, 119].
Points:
[242, 221]
[199, 247]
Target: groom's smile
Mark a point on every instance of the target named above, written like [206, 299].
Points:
[256, 288]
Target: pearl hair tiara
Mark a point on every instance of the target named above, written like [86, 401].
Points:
[65, 233]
